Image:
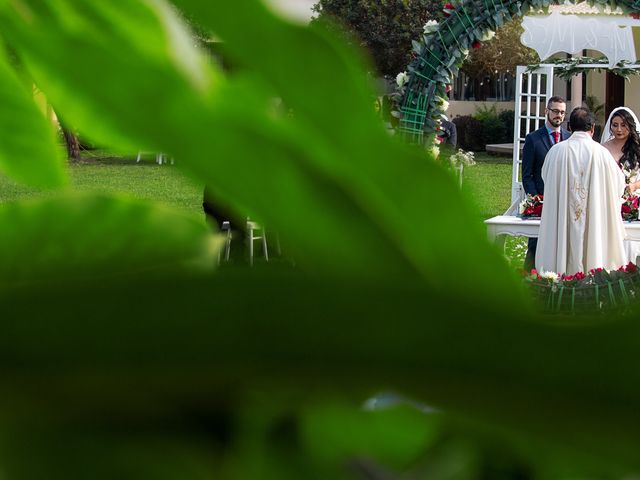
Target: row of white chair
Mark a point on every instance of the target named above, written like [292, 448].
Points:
[252, 227]
[255, 233]
[160, 157]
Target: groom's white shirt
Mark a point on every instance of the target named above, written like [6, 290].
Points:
[581, 227]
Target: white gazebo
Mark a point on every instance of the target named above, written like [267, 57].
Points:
[568, 29]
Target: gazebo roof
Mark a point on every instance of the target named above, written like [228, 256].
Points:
[583, 8]
[571, 28]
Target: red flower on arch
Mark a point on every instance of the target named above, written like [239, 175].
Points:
[448, 9]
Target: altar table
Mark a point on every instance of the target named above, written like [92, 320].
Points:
[516, 226]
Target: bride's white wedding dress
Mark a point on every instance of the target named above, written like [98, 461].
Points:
[631, 248]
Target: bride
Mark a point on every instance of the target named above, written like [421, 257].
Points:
[621, 137]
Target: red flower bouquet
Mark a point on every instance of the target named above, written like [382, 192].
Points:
[531, 206]
[629, 208]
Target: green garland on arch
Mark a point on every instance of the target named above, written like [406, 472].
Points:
[566, 68]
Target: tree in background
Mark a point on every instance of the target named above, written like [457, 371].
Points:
[71, 141]
[384, 29]
[502, 53]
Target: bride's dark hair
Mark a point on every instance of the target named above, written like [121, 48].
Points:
[631, 149]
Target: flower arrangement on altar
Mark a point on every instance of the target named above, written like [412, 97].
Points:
[594, 276]
[596, 290]
[629, 208]
[531, 206]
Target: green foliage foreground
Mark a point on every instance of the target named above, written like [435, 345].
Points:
[125, 356]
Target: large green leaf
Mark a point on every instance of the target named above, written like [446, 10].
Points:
[140, 44]
[167, 110]
[28, 151]
[185, 343]
[97, 236]
[343, 196]
[394, 437]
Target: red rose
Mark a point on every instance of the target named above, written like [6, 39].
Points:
[631, 267]
[537, 210]
[626, 209]
[579, 276]
[476, 44]
[448, 8]
[568, 278]
[635, 15]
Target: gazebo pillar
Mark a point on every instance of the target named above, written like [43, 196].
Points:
[576, 91]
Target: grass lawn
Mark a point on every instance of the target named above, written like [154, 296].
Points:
[146, 180]
[489, 182]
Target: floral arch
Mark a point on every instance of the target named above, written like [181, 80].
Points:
[445, 45]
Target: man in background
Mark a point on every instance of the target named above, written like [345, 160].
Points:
[448, 133]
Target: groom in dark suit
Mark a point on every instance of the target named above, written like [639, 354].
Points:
[536, 146]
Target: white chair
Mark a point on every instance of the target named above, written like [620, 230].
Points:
[255, 232]
[226, 227]
[160, 158]
[252, 227]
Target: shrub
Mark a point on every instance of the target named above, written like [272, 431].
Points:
[485, 112]
[508, 119]
[469, 133]
[492, 129]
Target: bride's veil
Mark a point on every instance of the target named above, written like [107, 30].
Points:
[606, 131]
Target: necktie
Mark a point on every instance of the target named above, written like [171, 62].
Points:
[556, 137]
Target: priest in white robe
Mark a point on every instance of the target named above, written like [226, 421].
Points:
[581, 226]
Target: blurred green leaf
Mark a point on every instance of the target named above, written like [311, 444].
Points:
[124, 73]
[162, 346]
[28, 150]
[96, 236]
[394, 437]
[100, 452]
